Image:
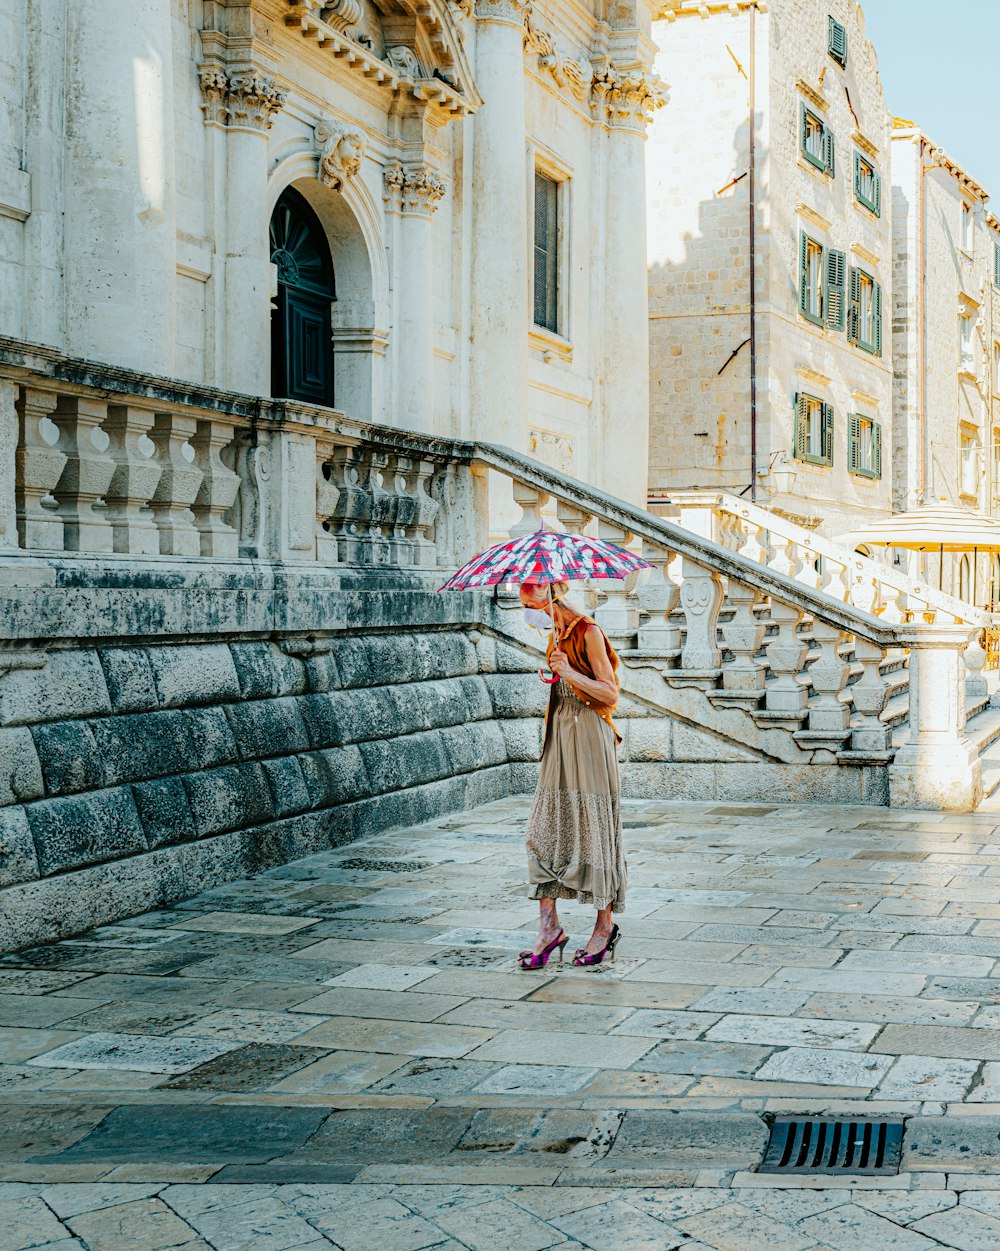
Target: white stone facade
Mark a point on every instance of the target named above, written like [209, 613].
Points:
[699, 257]
[946, 342]
[141, 161]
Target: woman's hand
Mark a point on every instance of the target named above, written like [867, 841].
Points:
[559, 663]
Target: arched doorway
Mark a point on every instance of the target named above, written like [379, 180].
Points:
[301, 325]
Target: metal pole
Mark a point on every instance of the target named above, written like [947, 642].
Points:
[753, 257]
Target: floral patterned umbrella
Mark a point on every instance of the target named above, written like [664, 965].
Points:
[545, 557]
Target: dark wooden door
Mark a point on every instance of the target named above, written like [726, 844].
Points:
[301, 325]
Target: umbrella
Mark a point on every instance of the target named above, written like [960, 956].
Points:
[939, 527]
[546, 556]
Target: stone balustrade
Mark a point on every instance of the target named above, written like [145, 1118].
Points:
[115, 465]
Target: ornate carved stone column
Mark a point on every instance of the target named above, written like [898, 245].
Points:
[623, 100]
[412, 192]
[500, 315]
[241, 100]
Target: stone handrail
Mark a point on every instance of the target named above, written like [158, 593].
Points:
[870, 584]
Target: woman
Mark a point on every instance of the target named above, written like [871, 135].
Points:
[574, 831]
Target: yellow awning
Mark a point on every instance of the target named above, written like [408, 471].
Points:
[930, 528]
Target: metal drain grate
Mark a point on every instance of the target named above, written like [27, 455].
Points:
[826, 1145]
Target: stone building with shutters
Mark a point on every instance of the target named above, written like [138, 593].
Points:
[945, 342]
[429, 215]
[811, 436]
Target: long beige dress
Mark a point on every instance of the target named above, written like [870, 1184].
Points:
[574, 832]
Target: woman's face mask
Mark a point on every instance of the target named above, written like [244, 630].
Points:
[537, 619]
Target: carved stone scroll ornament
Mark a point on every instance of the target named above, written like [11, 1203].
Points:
[626, 99]
[575, 76]
[343, 14]
[412, 188]
[404, 61]
[340, 150]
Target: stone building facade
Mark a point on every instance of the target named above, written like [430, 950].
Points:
[338, 203]
[946, 342]
[822, 259]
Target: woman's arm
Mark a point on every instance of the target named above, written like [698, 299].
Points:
[602, 688]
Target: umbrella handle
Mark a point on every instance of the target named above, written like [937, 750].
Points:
[548, 681]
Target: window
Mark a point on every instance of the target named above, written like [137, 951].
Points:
[970, 466]
[837, 45]
[865, 319]
[996, 368]
[811, 287]
[817, 142]
[966, 227]
[864, 446]
[546, 299]
[966, 355]
[867, 184]
[813, 430]
[996, 264]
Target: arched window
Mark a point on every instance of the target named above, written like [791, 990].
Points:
[301, 328]
[965, 579]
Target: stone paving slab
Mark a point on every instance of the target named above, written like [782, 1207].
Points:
[365, 1018]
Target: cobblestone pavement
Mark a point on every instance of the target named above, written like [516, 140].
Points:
[346, 1043]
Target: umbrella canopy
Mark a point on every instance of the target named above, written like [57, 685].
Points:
[939, 527]
[545, 557]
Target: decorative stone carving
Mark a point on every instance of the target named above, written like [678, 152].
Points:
[403, 60]
[575, 76]
[626, 99]
[500, 11]
[412, 188]
[462, 9]
[243, 99]
[552, 449]
[343, 14]
[340, 150]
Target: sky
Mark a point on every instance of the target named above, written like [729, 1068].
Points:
[939, 67]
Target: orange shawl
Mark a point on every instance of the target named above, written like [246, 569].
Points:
[573, 643]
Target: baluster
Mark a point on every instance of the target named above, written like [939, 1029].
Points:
[85, 476]
[659, 596]
[531, 501]
[421, 530]
[780, 555]
[133, 482]
[38, 467]
[743, 676]
[217, 491]
[753, 544]
[975, 659]
[618, 616]
[701, 600]
[353, 512]
[835, 581]
[327, 498]
[863, 588]
[785, 697]
[869, 733]
[575, 521]
[829, 717]
[255, 507]
[893, 603]
[381, 546]
[808, 564]
[177, 487]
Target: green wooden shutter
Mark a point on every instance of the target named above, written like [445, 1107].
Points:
[877, 317]
[801, 425]
[853, 442]
[829, 159]
[803, 272]
[877, 458]
[996, 263]
[877, 185]
[828, 433]
[857, 174]
[854, 306]
[836, 267]
[837, 44]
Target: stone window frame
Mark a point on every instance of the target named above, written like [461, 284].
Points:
[836, 41]
[819, 450]
[996, 262]
[543, 162]
[864, 446]
[812, 311]
[969, 468]
[967, 227]
[966, 342]
[824, 160]
[873, 202]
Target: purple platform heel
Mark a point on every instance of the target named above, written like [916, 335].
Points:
[533, 960]
[584, 959]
